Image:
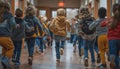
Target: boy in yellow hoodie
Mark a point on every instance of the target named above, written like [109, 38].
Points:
[58, 26]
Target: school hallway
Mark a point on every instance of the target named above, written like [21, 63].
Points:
[69, 60]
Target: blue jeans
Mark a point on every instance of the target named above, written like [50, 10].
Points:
[96, 46]
[80, 42]
[17, 51]
[39, 42]
[41, 45]
[89, 45]
[36, 42]
[114, 48]
[30, 44]
[71, 38]
[59, 43]
[75, 39]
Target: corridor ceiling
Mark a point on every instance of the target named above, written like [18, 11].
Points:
[54, 3]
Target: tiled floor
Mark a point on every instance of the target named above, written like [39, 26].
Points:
[69, 60]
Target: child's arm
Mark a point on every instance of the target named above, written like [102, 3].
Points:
[106, 22]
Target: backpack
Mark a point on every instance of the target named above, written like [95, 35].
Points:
[31, 24]
[86, 23]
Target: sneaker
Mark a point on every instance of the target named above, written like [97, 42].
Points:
[30, 59]
[80, 55]
[102, 66]
[108, 56]
[98, 58]
[112, 62]
[46, 45]
[5, 63]
[61, 51]
[17, 63]
[74, 49]
[86, 62]
[93, 64]
[58, 61]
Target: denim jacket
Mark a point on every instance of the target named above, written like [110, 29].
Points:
[37, 25]
[19, 32]
[7, 25]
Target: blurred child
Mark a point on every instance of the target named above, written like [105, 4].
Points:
[58, 26]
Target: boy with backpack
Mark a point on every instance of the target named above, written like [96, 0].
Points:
[30, 36]
[18, 34]
[87, 35]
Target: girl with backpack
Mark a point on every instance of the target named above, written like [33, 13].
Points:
[33, 22]
[88, 35]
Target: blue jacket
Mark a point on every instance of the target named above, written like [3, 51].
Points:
[7, 25]
[19, 32]
[37, 25]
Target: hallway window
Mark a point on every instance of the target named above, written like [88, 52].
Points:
[16, 4]
[42, 12]
[71, 13]
[54, 14]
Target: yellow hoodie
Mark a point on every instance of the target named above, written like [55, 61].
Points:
[59, 25]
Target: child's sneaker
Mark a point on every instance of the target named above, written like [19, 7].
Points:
[93, 64]
[17, 63]
[61, 51]
[74, 49]
[5, 63]
[58, 61]
[102, 66]
[86, 62]
[98, 58]
[30, 59]
[112, 62]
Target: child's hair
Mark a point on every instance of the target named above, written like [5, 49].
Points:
[116, 17]
[18, 12]
[7, 6]
[116, 7]
[30, 11]
[84, 13]
[102, 12]
[61, 12]
[2, 5]
[73, 19]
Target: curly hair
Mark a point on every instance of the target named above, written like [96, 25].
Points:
[30, 11]
[84, 13]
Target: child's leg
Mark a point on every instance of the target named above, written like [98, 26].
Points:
[7, 51]
[17, 51]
